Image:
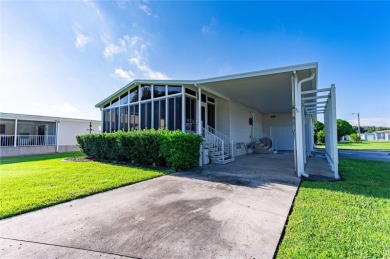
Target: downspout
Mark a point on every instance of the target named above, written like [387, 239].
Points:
[298, 106]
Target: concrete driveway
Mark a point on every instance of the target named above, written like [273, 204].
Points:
[236, 210]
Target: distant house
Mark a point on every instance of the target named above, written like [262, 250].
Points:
[22, 134]
[232, 112]
[377, 135]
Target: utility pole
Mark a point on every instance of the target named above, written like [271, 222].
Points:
[358, 115]
[90, 128]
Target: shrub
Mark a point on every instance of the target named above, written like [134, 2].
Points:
[178, 150]
[320, 136]
[354, 137]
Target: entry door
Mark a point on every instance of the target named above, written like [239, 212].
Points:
[282, 137]
[203, 116]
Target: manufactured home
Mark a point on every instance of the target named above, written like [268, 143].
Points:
[22, 134]
[270, 108]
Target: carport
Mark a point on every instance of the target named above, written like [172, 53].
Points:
[291, 91]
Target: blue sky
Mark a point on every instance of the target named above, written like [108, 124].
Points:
[61, 58]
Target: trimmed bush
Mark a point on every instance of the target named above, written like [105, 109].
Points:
[175, 149]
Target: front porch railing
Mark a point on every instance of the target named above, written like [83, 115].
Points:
[27, 140]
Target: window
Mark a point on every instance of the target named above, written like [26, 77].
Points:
[190, 114]
[173, 89]
[114, 119]
[124, 117]
[2, 128]
[211, 115]
[134, 118]
[159, 114]
[107, 105]
[203, 98]
[174, 113]
[211, 100]
[124, 98]
[115, 103]
[190, 92]
[106, 120]
[146, 115]
[146, 92]
[158, 91]
[134, 95]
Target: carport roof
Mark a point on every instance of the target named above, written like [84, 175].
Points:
[267, 91]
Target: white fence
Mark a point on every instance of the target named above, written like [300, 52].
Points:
[27, 140]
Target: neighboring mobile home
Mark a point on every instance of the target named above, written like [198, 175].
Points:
[232, 112]
[22, 134]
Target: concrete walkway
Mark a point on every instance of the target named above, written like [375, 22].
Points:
[236, 210]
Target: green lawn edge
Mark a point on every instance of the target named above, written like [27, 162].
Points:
[19, 162]
[344, 219]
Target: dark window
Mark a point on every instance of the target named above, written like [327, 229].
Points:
[211, 100]
[106, 120]
[115, 103]
[146, 118]
[211, 115]
[158, 91]
[2, 128]
[146, 92]
[159, 114]
[203, 98]
[191, 92]
[171, 114]
[124, 117]
[190, 114]
[124, 98]
[107, 105]
[134, 95]
[173, 89]
[114, 119]
[134, 117]
[174, 113]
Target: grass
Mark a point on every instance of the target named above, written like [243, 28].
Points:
[33, 182]
[345, 219]
[363, 145]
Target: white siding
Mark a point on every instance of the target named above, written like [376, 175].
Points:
[280, 119]
[240, 129]
[222, 122]
[69, 130]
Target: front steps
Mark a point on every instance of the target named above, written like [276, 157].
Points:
[216, 156]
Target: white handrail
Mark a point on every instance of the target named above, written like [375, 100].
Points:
[35, 140]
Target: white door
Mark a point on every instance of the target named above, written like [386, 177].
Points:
[282, 137]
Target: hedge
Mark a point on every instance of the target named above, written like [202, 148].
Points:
[175, 149]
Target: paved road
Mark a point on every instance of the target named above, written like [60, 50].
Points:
[236, 210]
[369, 155]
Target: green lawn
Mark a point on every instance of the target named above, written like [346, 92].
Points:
[364, 145]
[33, 182]
[345, 219]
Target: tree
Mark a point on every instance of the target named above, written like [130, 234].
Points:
[343, 128]
[318, 126]
[320, 135]
[354, 137]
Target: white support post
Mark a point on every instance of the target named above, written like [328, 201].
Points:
[15, 132]
[183, 110]
[200, 122]
[57, 136]
[298, 127]
[304, 135]
[199, 111]
[334, 132]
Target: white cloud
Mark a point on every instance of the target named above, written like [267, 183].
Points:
[127, 75]
[148, 72]
[379, 122]
[95, 8]
[124, 44]
[146, 9]
[81, 39]
[210, 28]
